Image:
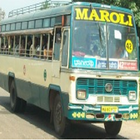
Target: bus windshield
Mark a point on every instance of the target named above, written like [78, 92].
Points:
[104, 45]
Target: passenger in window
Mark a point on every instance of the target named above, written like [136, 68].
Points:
[2, 47]
[22, 47]
[37, 48]
[51, 48]
[50, 52]
[34, 49]
[120, 52]
[10, 46]
[29, 43]
[44, 47]
[5, 48]
[16, 46]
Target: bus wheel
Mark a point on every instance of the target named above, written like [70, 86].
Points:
[15, 102]
[113, 128]
[58, 119]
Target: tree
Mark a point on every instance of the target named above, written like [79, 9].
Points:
[45, 5]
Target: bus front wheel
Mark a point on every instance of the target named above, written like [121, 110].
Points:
[112, 128]
[59, 120]
[17, 104]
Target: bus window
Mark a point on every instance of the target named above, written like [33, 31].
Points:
[29, 43]
[10, 44]
[57, 44]
[2, 45]
[65, 48]
[16, 49]
[22, 46]
[50, 47]
[44, 46]
[35, 47]
[5, 45]
[47, 43]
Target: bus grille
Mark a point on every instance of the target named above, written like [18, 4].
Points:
[97, 86]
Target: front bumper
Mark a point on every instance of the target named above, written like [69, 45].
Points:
[96, 113]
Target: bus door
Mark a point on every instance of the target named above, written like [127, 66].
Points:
[56, 52]
[65, 47]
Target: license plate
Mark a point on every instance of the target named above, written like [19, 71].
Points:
[109, 109]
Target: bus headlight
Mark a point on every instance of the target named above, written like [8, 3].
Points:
[132, 95]
[81, 94]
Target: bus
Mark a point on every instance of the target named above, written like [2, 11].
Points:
[77, 60]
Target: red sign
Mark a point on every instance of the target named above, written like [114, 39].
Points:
[128, 65]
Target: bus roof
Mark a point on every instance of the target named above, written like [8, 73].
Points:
[56, 11]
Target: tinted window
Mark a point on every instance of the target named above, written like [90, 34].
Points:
[31, 24]
[46, 22]
[13, 26]
[38, 23]
[8, 27]
[18, 26]
[24, 25]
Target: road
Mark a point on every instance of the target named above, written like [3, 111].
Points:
[34, 124]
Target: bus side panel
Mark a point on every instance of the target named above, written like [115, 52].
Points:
[44, 98]
[33, 93]
[23, 89]
[4, 81]
[33, 78]
[5, 67]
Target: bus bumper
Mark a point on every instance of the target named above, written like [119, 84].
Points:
[102, 113]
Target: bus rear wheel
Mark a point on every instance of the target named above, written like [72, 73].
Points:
[17, 104]
[59, 120]
[112, 128]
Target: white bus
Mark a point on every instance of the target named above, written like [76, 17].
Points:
[79, 61]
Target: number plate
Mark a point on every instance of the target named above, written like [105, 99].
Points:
[109, 109]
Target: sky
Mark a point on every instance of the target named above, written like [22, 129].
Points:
[9, 5]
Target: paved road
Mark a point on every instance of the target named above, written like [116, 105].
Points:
[34, 124]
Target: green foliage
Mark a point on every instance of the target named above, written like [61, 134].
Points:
[45, 5]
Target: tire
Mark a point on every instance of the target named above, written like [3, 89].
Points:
[59, 120]
[113, 128]
[17, 104]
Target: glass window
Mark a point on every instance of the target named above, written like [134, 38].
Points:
[5, 45]
[65, 48]
[2, 45]
[31, 25]
[18, 26]
[67, 20]
[46, 22]
[57, 44]
[3, 27]
[13, 26]
[24, 25]
[52, 21]
[38, 23]
[8, 27]
[16, 49]
[58, 20]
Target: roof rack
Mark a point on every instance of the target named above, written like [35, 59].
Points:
[38, 6]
